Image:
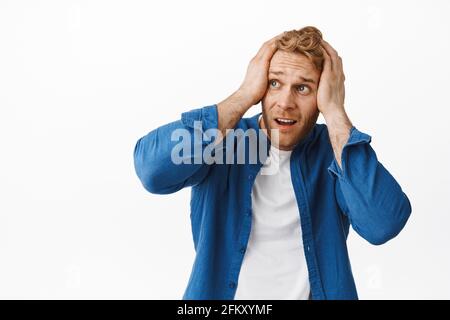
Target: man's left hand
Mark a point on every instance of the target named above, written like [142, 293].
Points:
[330, 100]
[331, 90]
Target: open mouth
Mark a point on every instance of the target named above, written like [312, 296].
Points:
[285, 122]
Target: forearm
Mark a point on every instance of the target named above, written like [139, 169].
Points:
[367, 192]
[231, 110]
[339, 126]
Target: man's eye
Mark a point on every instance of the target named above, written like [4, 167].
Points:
[273, 83]
[303, 89]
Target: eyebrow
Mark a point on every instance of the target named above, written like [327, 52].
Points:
[277, 73]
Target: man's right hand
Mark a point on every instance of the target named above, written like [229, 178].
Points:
[251, 91]
[255, 83]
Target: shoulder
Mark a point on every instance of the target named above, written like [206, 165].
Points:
[251, 122]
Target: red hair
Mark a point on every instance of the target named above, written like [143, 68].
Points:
[306, 41]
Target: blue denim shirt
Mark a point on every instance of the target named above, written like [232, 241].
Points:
[362, 194]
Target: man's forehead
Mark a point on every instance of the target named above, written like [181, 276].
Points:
[290, 63]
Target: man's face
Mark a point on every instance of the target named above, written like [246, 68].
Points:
[290, 103]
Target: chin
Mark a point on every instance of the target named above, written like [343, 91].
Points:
[286, 148]
[286, 144]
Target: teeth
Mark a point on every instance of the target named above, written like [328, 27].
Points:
[288, 121]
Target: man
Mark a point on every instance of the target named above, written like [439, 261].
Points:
[280, 235]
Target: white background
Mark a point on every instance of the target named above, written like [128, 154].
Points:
[81, 81]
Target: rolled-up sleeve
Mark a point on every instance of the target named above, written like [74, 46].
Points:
[153, 153]
[367, 193]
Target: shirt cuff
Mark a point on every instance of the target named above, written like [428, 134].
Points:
[356, 138]
[207, 115]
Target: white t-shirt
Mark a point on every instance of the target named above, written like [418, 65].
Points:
[274, 265]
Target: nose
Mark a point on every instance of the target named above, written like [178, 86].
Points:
[285, 100]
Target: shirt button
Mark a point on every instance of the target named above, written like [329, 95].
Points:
[250, 177]
[232, 285]
[242, 251]
[307, 248]
[249, 213]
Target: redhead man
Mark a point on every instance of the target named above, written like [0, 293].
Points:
[280, 235]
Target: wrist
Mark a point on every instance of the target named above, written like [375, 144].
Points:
[245, 97]
[334, 113]
[337, 121]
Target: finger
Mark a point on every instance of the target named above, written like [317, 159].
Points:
[331, 51]
[340, 67]
[332, 54]
[339, 63]
[278, 36]
[274, 39]
[327, 63]
[265, 46]
[268, 48]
